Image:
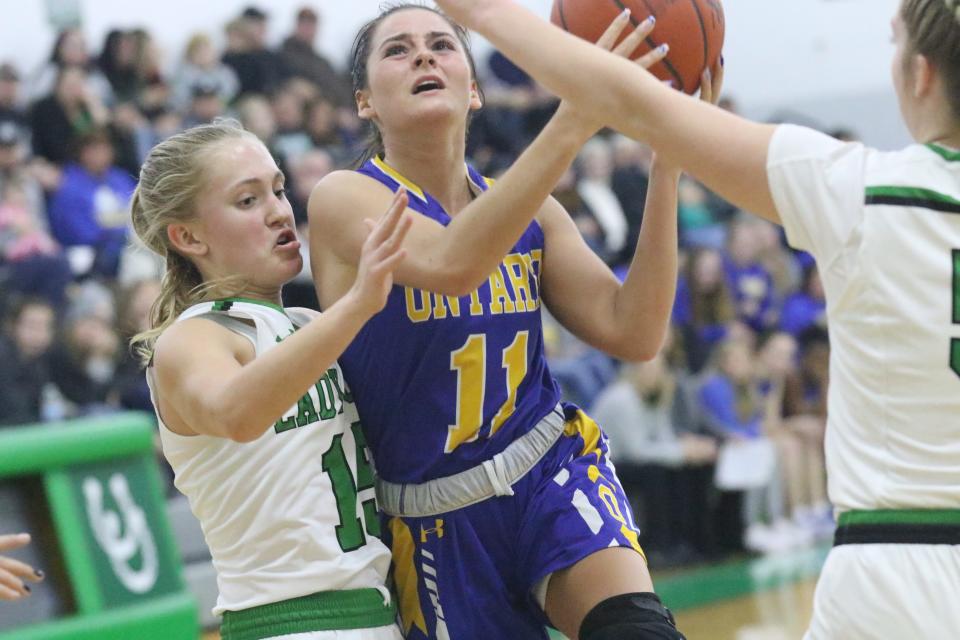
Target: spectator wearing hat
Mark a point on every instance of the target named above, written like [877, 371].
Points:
[11, 107]
[301, 59]
[258, 69]
[30, 261]
[206, 103]
[89, 212]
[13, 152]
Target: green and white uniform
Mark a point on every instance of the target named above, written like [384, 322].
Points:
[884, 228]
[291, 518]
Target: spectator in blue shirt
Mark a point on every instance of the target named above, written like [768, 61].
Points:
[752, 285]
[90, 209]
[729, 399]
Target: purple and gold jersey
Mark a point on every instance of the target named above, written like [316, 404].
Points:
[444, 383]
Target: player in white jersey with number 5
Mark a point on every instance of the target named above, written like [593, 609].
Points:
[255, 417]
[885, 230]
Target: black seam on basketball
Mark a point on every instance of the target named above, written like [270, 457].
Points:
[703, 31]
[563, 18]
[653, 43]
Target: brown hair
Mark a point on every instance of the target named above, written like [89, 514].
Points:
[933, 31]
[171, 178]
[713, 306]
[360, 56]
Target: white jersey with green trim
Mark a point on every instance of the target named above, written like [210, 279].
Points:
[293, 512]
[884, 228]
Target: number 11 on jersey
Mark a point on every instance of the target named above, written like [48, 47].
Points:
[955, 342]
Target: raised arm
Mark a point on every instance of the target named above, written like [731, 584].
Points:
[209, 381]
[627, 320]
[456, 259]
[724, 151]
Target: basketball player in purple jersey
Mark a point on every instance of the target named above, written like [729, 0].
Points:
[504, 513]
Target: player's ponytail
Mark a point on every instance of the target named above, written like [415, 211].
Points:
[170, 180]
[933, 29]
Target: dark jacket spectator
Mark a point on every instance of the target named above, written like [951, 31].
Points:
[118, 63]
[58, 120]
[133, 316]
[84, 360]
[258, 69]
[24, 371]
[301, 59]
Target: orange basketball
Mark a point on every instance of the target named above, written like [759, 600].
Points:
[692, 28]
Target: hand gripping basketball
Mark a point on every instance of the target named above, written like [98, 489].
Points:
[611, 40]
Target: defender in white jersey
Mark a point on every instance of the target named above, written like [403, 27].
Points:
[255, 416]
[885, 230]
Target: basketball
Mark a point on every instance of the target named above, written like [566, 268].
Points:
[693, 29]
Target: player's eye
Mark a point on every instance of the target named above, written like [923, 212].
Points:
[394, 49]
[444, 43]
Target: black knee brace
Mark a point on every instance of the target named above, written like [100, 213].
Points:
[630, 616]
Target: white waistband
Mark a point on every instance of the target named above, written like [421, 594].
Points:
[493, 477]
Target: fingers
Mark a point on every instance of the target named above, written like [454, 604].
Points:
[8, 593]
[613, 32]
[718, 72]
[12, 587]
[635, 38]
[390, 263]
[706, 86]
[14, 541]
[388, 221]
[653, 56]
[20, 569]
[392, 244]
[711, 81]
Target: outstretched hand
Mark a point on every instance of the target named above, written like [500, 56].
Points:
[624, 49]
[381, 253]
[13, 573]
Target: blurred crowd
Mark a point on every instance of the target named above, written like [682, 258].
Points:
[719, 439]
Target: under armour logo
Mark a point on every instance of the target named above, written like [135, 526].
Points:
[437, 529]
